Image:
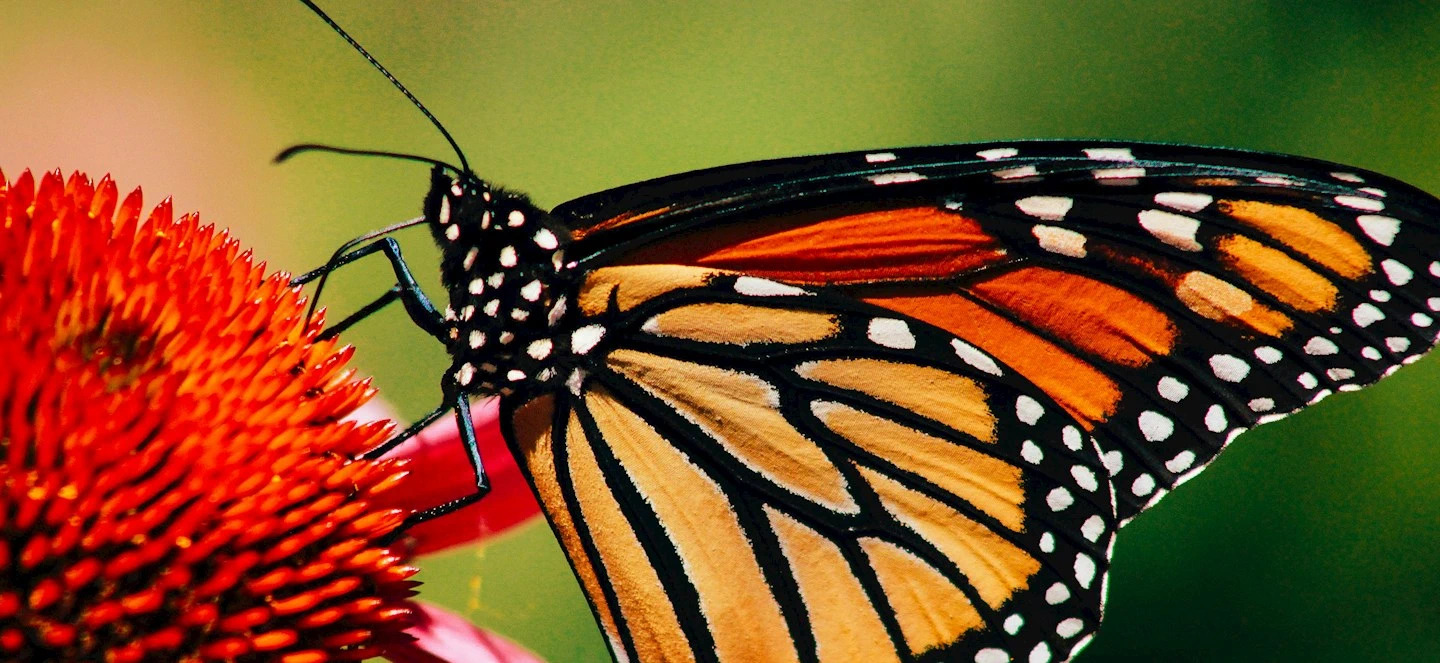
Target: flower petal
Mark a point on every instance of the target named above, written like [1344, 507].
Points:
[437, 455]
[442, 636]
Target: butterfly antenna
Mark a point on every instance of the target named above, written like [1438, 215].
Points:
[315, 147]
[389, 76]
[338, 258]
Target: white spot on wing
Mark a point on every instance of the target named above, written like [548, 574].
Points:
[1173, 229]
[992, 655]
[546, 239]
[1215, 419]
[974, 357]
[1071, 437]
[1059, 499]
[1063, 241]
[1155, 426]
[508, 257]
[1109, 154]
[1181, 462]
[1184, 201]
[1229, 367]
[1320, 346]
[1396, 271]
[1143, 485]
[1016, 173]
[895, 178]
[1028, 409]
[757, 287]
[452, 233]
[585, 339]
[997, 153]
[1084, 570]
[1366, 314]
[1382, 229]
[880, 157]
[1361, 203]
[891, 333]
[1117, 173]
[1050, 208]
[1172, 389]
[1268, 354]
[531, 291]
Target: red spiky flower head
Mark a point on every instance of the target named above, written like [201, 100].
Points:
[176, 481]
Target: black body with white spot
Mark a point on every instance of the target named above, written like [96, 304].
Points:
[504, 267]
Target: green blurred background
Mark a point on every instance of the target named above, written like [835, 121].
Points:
[1314, 539]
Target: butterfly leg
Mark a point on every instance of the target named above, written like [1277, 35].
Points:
[406, 289]
[456, 401]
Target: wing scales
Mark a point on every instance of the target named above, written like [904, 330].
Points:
[955, 532]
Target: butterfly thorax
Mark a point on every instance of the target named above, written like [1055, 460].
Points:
[504, 267]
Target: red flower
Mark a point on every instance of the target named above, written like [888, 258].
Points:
[176, 480]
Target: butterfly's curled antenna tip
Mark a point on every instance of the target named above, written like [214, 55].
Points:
[291, 151]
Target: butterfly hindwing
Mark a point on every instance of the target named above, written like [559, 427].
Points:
[741, 469]
[1167, 297]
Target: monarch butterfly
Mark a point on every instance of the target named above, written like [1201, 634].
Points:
[894, 405]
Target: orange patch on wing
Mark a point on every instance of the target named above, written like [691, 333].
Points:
[649, 615]
[843, 620]
[632, 285]
[991, 484]
[1277, 273]
[742, 413]
[1215, 181]
[1222, 301]
[743, 324]
[995, 567]
[837, 245]
[616, 221]
[1306, 233]
[953, 400]
[1076, 385]
[704, 529]
[1095, 317]
[931, 610]
[533, 435]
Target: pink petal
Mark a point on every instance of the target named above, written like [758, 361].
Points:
[437, 455]
[442, 636]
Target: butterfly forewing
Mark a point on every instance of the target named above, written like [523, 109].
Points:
[812, 478]
[1168, 297]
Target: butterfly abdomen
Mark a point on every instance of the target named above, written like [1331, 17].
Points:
[504, 267]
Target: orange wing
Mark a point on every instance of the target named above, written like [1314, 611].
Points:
[745, 470]
[1166, 297]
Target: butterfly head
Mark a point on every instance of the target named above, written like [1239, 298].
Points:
[504, 267]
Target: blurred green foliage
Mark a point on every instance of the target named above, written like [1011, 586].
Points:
[1313, 539]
